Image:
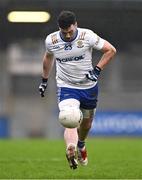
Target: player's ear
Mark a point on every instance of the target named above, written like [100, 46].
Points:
[76, 24]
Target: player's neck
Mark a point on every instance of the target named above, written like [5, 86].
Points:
[72, 39]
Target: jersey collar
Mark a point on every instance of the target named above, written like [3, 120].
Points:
[74, 37]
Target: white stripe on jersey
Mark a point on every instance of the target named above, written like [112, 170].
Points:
[74, 59]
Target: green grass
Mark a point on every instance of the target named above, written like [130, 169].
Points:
[109, 158]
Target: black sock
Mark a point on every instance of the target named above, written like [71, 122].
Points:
[80, 144]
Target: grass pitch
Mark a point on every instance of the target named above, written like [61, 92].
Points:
[109, 158]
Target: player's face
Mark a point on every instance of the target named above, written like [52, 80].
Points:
[69, 33]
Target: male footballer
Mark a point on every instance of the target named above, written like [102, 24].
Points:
[71, 48]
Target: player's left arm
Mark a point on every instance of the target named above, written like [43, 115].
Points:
[108, 53]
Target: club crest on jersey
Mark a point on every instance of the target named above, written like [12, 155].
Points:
[68, 46]
[80, 44]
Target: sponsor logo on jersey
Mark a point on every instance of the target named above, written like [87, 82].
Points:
[56, 47]
[74, 58]
[80, 44]
[68, 46]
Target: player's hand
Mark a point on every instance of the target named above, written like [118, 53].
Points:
[94, 74]
[43, 86]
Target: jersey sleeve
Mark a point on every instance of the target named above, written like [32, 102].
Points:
[95, 41]
[48, 45]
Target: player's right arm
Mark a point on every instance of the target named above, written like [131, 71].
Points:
[47, 64]
[48, 61]
[47, 67]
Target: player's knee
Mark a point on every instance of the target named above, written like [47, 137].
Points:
[88, 116]
[70, 118]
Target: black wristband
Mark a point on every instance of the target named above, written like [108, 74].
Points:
[98, 69]
[44, 80]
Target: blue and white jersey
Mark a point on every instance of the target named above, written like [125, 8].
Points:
[73, 59]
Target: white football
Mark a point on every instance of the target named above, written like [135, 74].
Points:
[71, 118]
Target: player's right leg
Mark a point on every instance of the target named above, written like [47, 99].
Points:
[71, 155]
[68, 118]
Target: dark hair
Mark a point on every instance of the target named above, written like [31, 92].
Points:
[66, 19]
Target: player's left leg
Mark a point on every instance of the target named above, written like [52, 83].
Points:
[83, 131]
[88, 106]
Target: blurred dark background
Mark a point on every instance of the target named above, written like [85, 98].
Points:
[22, 112]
